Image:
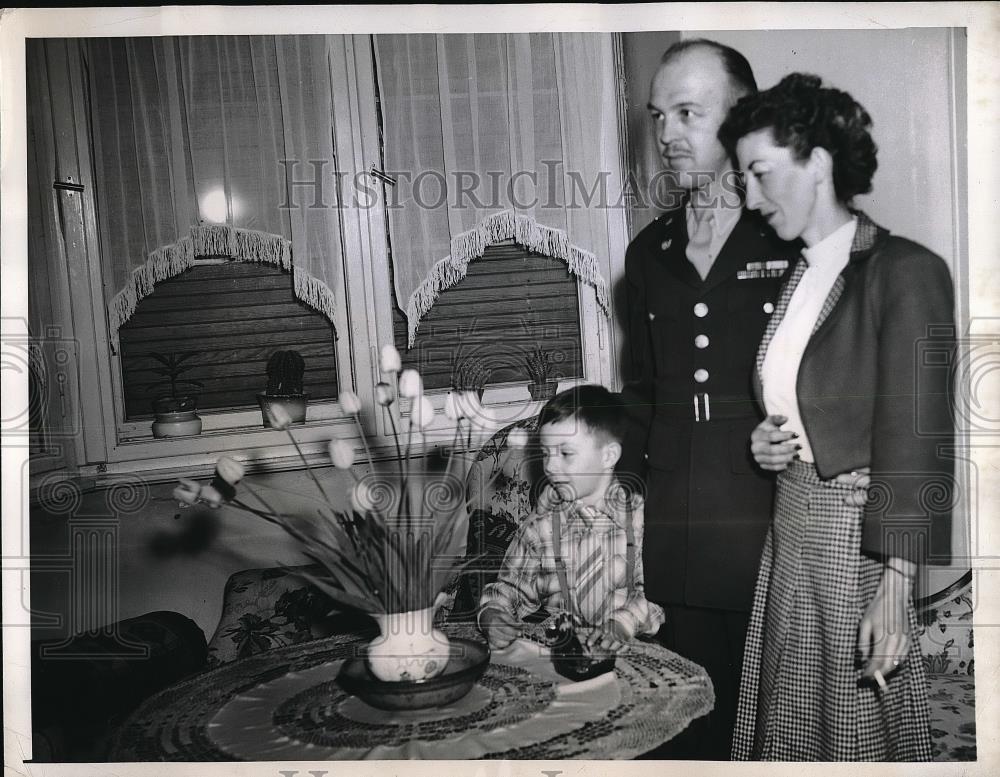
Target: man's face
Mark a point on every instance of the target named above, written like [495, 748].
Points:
[688, 101]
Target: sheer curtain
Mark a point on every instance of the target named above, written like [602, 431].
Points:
[196, 142]
[494, 137]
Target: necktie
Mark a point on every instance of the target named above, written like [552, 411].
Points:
[590, 589]
[700, 242]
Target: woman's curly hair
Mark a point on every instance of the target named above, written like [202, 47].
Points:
[802, 115]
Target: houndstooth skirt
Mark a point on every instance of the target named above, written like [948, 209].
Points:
[801, 698]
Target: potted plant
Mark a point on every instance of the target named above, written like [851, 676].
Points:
[543, 383]
[284, 387]
[175, 411]
[471, 374]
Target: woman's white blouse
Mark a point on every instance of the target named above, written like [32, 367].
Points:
[780, 370]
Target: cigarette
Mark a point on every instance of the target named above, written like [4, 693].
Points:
[879, 679]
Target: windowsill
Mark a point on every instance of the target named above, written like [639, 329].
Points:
[269, 450]
[231, 421]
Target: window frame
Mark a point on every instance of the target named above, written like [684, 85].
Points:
[131, 445]
[362, 322]
[597, 336]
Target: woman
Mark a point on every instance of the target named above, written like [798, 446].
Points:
[832, 670]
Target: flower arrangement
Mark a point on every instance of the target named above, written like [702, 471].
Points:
[396, 548]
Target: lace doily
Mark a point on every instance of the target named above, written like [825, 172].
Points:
[285, 704]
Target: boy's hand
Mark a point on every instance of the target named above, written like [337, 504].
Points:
[607, 639]
[500, 628]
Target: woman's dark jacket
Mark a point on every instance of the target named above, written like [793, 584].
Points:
[874, 390]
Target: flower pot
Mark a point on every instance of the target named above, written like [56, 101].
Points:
[543, 391]
[177, 424]
[409, 648]
[294, 404]
[176, 416]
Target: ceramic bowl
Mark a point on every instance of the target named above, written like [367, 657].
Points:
[466, 665]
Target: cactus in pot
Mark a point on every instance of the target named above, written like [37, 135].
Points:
[284, 387]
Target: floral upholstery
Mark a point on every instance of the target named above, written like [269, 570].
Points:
[947, 646]
[266, 608]
[501, 487]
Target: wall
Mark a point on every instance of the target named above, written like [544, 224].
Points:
[904, 79]
[642, 52]
[156, 561]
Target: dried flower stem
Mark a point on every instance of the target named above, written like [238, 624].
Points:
[273, 519]
[309, 469]
[260, 499]
[266, 516]
[364, 439]
[406, 501]
[451, 452]
[395, 439]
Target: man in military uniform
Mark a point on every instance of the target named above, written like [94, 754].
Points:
[701, 280]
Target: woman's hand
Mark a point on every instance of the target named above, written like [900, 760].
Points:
[884, 633]
[770, 445]
[860, 480]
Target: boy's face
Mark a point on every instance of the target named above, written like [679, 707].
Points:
[577, 462]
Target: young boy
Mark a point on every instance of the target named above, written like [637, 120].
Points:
[573, 552]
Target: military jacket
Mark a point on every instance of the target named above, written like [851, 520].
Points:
[693, 344]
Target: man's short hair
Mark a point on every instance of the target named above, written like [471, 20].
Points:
[741, 80]
[602, 411]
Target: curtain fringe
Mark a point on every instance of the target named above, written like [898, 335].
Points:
[242, 245]
[315, 293]
[494, 229]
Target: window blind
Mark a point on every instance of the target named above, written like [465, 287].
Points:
[231, 317]
[510, 300]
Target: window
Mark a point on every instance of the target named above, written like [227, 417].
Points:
[336, 307]
[227, 319]
[510, 301]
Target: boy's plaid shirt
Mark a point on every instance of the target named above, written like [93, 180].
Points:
[528, 579]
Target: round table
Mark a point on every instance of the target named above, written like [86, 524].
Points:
[285, 704]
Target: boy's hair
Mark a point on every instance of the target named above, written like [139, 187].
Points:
[602, 411]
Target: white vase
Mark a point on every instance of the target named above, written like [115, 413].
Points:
[409, 648]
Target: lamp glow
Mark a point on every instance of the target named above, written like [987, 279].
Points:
[213, 207]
